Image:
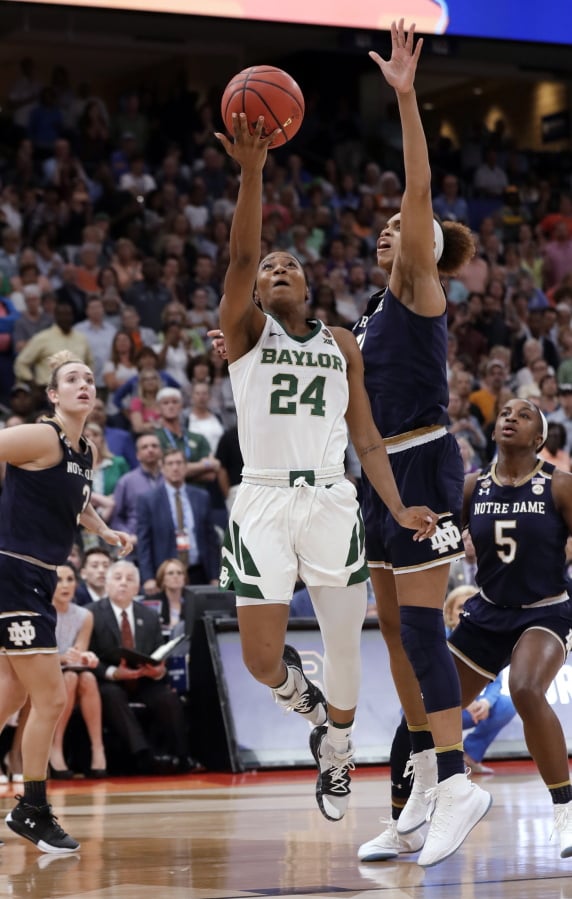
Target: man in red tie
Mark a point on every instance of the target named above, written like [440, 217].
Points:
[120, 622]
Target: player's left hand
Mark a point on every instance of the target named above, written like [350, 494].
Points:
[124, 541]
[419, 519]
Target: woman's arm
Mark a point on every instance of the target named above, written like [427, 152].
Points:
[241, 320]
[91, 521]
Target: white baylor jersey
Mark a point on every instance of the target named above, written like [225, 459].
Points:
[291, 396]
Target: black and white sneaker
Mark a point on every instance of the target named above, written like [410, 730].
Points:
[333, 784]
[307, 699]
[41, 827]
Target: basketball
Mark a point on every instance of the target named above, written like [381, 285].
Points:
[266, 91]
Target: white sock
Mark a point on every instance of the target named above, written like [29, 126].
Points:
[339, 737]
[288, 688]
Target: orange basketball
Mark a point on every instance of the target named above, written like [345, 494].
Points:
[267, 91]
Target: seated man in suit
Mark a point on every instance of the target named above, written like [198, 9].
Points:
[175, 521]
[118, 621]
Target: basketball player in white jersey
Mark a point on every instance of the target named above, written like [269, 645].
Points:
[298, 387]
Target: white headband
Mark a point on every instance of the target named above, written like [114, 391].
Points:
[543, 422]
[439, 240]
[544, 426]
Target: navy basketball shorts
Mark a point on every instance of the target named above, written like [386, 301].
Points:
[487, 634]
[430, 474]
[27, 616]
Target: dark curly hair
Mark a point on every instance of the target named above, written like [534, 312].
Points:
[458, 247]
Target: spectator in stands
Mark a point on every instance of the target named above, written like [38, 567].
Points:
[564, 214]
[171, 579]
[106, 473]
[486, 397]
[137, 180]
[554, 450]
[73, 632]
[490, 179]
[174, 349]
[563, 415]
[131, 121]
[148, 296]
[31, 365]
[119, 621]
[145, 477]
[471, 342]
[203, 276]
[126, 264]
[537, 330]
[175, 520]
[99, 334]
[93, 574]
[93, 140]
[201, 419]
[119, 441]
[222, 397]
[70, 292]
[143, 411]
[231, 463]
[449, 204]
[200, 462]
[200, 316]
[120, 366]
[23, 95]
[557, 255]
[465, 425]
[548, 400]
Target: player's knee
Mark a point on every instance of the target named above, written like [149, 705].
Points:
[264, 667]
[526, 695]
[390, 627]
[423, 638]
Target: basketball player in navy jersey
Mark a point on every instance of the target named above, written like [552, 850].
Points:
[46, 494]
[298, 388]
[519, 513]
[403, 337]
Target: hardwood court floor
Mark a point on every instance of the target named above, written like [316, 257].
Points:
[219, 836]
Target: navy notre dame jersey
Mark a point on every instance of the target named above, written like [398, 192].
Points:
[519, 537]
[405, 358]
[39, 509]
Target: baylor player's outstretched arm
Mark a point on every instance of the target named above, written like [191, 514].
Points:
[241, 320]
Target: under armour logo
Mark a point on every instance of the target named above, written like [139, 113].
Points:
[20, 633]
[484, 491]
[447, 536]
[29, 822]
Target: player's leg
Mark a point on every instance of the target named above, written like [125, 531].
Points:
[390, 843]
[458, 804]
[422, 748]
[536, 660]
[340, 612]
[41, 677]
[262, 635]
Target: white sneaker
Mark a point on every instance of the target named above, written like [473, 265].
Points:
[307, 699]
[390, 844]
[563, 824]
[333, 783]
[417, 807]
[458, 804]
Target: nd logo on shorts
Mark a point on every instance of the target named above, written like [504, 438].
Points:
[446, 537]
[21, 633]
